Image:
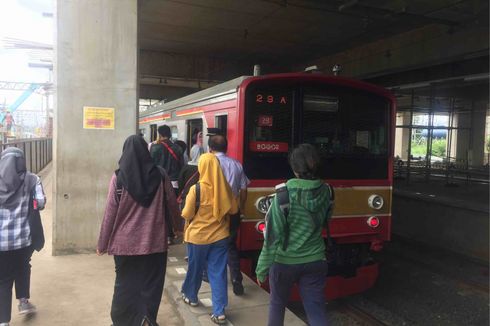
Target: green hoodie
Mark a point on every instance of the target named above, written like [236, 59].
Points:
[309, 201]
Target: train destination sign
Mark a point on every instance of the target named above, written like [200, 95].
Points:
[265, 120]
[268, 146]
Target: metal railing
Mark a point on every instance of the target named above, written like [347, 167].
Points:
[453, 170]
[37, 151]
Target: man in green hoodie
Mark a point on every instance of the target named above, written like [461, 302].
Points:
[294, 249]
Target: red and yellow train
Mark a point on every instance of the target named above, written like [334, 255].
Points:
[350, 122]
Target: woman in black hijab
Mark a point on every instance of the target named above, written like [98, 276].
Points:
[137, 173]
[135, 232]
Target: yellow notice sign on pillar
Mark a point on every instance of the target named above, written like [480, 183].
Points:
[98, 118]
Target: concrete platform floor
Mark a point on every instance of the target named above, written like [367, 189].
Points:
[77, 289]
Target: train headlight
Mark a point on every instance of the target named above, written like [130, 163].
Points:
[376, 201]
[263, 203]
[260, 227]
[373, 222]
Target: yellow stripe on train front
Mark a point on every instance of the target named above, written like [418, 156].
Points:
[349, 201]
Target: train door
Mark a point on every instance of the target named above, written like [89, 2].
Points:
[193, 127]
[153, 132]
[221, 122]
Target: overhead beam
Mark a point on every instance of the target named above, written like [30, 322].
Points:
[169, 81]
[186, 66]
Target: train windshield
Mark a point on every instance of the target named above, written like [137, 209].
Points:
[349, 127]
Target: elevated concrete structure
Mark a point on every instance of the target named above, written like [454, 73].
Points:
[420, 47]
[96, 66]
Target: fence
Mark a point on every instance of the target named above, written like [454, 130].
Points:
[37, 151]
[452, 171]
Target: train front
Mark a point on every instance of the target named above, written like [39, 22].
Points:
[351, 125]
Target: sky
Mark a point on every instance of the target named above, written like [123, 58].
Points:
[23, 19]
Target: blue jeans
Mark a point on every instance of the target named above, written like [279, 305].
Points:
[311, 279]
[213, 255]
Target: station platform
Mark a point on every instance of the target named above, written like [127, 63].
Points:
[77, 289]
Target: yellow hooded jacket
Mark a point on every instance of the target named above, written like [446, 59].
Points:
[211, 222]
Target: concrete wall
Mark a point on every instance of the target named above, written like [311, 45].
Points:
[96, 65]
[446, 224]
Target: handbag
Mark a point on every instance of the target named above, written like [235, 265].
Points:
[35, 224]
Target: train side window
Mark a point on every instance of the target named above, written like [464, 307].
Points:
[175, 132]
[153, 132]
[221, 122]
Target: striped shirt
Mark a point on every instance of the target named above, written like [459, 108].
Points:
[233, 171]
[309, 203]
[15, 232]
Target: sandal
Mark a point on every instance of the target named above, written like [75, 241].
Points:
[188, 301]
[220, 320]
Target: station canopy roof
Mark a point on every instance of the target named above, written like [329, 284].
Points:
[289, 30]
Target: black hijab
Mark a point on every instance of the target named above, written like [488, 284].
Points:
[137, 173]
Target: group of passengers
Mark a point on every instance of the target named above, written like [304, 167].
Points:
[156, 194]
[151, 191]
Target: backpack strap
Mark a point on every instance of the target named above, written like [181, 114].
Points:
[198, 197]
[184, 188]
[171, 151]
[119, 187]
[282, 195]
[331, 198]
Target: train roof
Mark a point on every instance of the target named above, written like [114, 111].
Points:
[223, 89]
[228, 91]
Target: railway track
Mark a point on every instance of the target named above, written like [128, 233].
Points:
[479, 288]
[359, 314]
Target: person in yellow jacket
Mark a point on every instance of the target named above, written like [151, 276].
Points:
[207, 235]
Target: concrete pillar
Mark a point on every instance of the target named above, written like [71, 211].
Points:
[96, 66]
[402, 135]
[478, 118]
[470, 144]
[461, 141]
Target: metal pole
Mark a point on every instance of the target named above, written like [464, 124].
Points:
[430, 126]
[449, 140]
[470, 142]
[409, 158]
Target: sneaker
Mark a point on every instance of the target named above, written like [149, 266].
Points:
[188, 301]
[220, 320]
[26, 308]
[238, 288]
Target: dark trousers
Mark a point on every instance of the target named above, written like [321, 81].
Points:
[14, 268]
[233, 255]
[138, 289]
[311, 279]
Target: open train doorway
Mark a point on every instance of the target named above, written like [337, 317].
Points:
[153, 132]
[194, 126]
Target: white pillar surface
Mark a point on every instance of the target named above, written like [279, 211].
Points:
[96, 66]
[402, 139]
